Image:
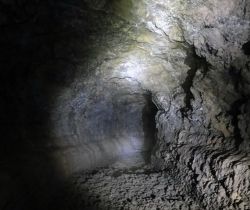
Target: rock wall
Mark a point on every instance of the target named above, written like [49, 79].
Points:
[204, 135]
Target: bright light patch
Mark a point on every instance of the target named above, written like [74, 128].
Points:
[132, 68]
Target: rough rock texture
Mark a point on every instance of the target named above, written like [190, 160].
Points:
[133, 188]
[125, 82]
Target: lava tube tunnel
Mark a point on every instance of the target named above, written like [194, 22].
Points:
[125, 104]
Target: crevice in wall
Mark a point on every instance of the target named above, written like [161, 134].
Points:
[235, 111]
[195, 63]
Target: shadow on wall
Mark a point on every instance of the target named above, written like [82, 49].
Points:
[38, 58]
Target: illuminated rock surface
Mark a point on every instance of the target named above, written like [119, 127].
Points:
[125, 104]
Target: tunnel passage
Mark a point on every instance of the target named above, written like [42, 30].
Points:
[99, 127]
[58, 115]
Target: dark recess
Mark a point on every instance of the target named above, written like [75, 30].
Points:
[149, 126]
[246, 48]
[235, 111]
[236, 78]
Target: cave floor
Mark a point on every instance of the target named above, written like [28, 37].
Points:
[129, 188]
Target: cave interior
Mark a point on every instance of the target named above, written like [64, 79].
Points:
[125, 104]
